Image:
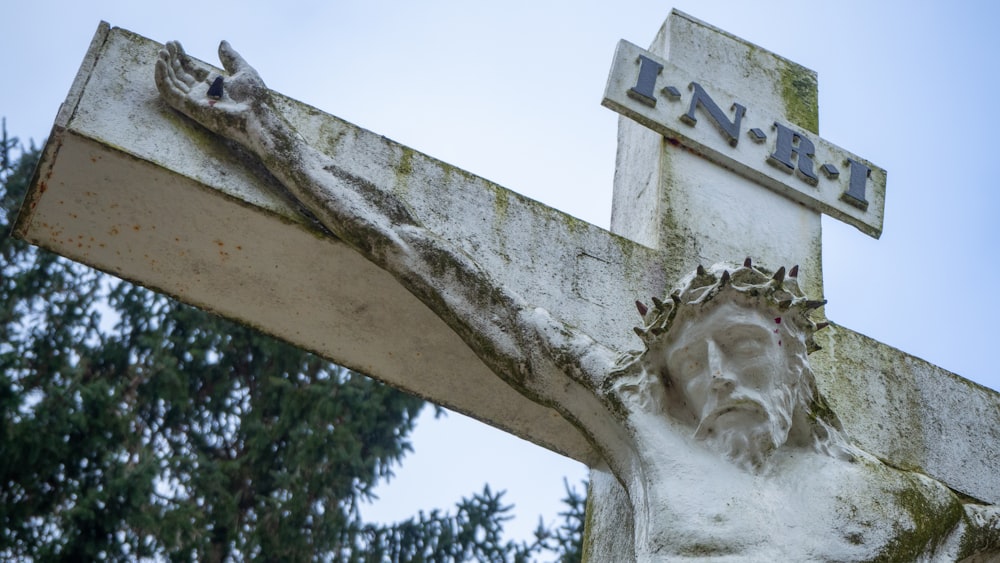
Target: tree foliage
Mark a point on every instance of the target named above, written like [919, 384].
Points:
[135, 426]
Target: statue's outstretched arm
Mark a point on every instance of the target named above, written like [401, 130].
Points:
[520, 340]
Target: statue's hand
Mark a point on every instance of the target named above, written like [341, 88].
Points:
[188, 87]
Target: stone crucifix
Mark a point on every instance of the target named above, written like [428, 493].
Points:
[716, 430]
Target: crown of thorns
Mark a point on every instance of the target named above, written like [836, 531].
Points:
[778, 290]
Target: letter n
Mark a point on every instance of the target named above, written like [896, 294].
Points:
[731, 129]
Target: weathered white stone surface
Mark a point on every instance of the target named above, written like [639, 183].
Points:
[668, 197]
[716, 430]
[131, 187]
[912, 413]
[738, 457]
[893, 404]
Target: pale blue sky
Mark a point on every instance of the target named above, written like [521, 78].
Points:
[511, 91]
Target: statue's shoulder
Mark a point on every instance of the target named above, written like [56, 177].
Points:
[895, 514]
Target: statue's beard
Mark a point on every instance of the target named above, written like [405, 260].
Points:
[746, 431]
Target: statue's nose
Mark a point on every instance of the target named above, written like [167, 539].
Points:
[722, 380]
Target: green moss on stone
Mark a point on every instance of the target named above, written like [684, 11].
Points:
[588, 525]
[405, 167]
[332, 138]
[403, 170]
[980, 538]
[932, 523]
[800, 92]
[673, 239]
[501, 204]
[626, 247]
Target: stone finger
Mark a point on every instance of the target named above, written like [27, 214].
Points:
[179, 78]
[235, 64]
[232, 61]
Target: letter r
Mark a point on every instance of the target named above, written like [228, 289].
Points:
[789, 144]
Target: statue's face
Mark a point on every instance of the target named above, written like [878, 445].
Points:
[732, 369]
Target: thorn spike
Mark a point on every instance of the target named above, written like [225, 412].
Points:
[747, 263]
[701, 270]
[814, 304]
[822, 325]
[779, 276]
[725, 277]
[676, 297]
[641, 307]
[794, 272]
[657, 303]
[639, 332]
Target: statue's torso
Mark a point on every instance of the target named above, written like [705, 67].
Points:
[805, 507]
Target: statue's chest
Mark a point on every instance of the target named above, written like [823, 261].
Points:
[820, 513]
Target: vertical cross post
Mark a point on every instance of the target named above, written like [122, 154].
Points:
[719, 159]
[719, 156]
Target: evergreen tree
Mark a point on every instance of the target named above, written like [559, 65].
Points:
[133, 426]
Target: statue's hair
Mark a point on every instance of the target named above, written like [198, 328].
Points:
[813, 423]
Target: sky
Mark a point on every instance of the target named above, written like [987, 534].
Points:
[511, 91]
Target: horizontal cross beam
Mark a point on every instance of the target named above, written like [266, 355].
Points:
[153, 198]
